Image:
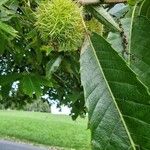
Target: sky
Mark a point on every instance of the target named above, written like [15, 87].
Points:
[64, 110]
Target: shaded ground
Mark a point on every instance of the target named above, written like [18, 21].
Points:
[7, 145]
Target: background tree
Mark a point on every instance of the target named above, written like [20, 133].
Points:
[31, 62]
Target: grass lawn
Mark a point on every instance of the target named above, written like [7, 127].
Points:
[45, 128]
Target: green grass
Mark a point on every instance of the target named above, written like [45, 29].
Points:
[45, 128]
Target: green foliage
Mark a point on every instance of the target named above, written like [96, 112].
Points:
[59, 22]
[104, 17]
[94, 26]
[122, 122]
[132, 2]
[140, 49]
[144, 9]
[31, 84]
[33, 63]
[52, 66]
[117, 101]
[7, 29]
[47, 62]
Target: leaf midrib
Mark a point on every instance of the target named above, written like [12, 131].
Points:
[113, 98]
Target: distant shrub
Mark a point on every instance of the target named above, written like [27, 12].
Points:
[1, 106]
[38, 106]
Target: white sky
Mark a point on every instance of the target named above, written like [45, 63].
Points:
[64, 110]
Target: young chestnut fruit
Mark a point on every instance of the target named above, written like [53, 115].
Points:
[60, 24]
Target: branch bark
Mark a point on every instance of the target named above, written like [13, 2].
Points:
[88, 2]
[114, 1]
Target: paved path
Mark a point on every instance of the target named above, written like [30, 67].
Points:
[7, 145]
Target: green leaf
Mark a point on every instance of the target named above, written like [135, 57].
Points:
[117, 40]
[104, 17]
[118, 103]
[52, 66]
[44, 82]
[132, 2]
[6, 82]
[3, 43]
[30, 85]
[5, 90]
[8, 29]
[145, 8]
[9, 79]
[140, 49]
[3, 2]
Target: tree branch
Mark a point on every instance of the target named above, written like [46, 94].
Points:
[88, 2]
[114, 1]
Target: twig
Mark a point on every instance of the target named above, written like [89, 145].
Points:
[88, 2]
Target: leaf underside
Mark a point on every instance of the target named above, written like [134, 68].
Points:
[117, 102]
[104, 17]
